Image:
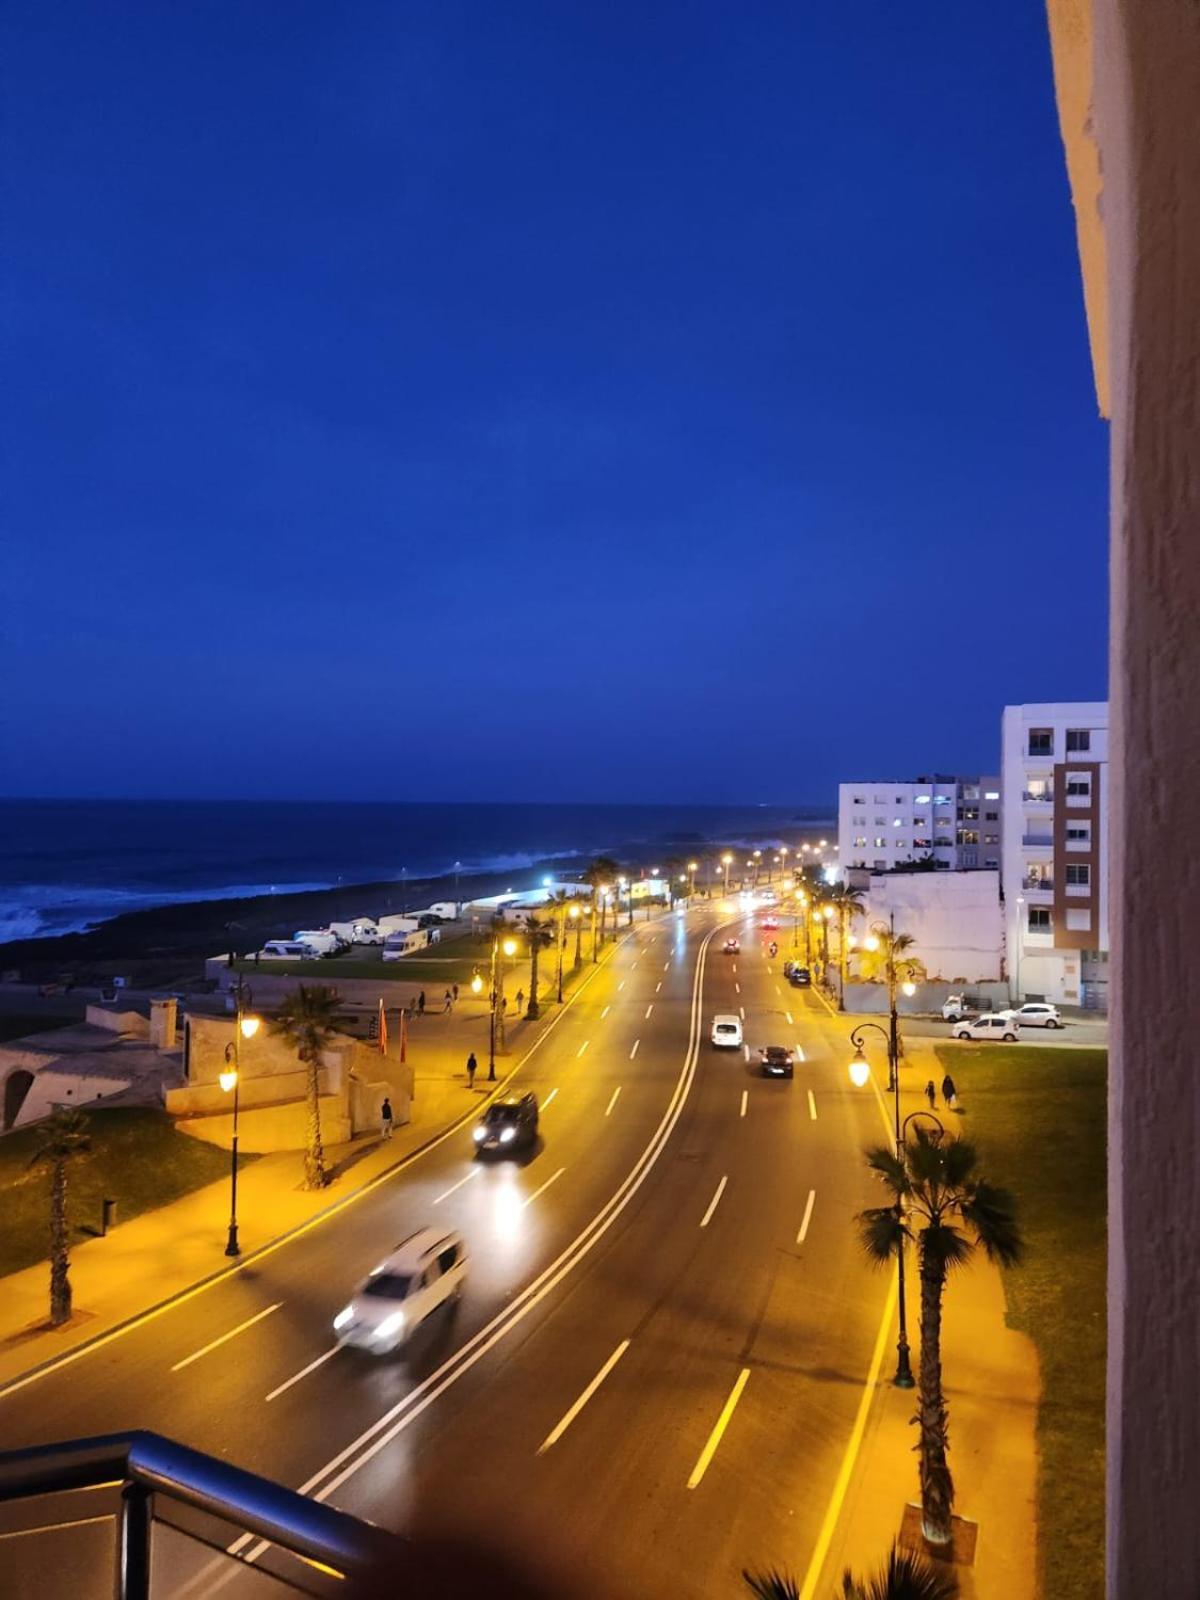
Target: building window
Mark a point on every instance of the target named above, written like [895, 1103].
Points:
[1041, 741]
[991, 838]
[1079, 784]
[1079, 919]
[941, 799]
[1079, 872]
[921, 800]
[860, 844]
[1079, 832]
[1078, 740]
[991, 794]
[880, 822]
[858, 822]
[922, 844]
[1039, 919]
[968, 836]
[859, 800]
[880, 844]
[897, 822]
[971, 791]
[991, 861]
[900, 844]
[991, 816]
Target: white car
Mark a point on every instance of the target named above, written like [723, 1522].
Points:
[996, 1026]
[726, 1032]
[421, 1274]
[1037, 1014]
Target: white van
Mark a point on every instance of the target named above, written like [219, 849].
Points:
[397, 945]
[423, 1272]
[323, 940]
[286, 950]
[359, 930]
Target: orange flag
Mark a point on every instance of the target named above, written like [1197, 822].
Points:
[382, 1028]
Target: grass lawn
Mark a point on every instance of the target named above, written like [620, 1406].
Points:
[137, 1159]
[1038, 1116]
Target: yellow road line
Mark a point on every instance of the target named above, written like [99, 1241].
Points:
[714, 1438]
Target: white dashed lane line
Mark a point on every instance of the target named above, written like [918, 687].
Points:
[712, 1204]
[812, 1106]
[745, 1097]
[634, 1051]
[808, 1210]
[615, 1094]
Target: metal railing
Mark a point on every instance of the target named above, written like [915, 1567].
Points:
[1037, 883]
[1034, 797]
[145, 1466]
[1037, 841]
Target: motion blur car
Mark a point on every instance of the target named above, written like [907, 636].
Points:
[999, 1026]
[508, 1124]
[769, 922]
[776, 1061]
[726, 1031]
[732, 947]
[800, 977]
[423, 1272]
[1037, 1014]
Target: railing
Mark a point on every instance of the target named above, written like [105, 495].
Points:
[1037, 883]
[144, 1469]
[1037, 841]
[1034, 797]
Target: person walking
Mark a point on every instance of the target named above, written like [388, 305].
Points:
[386, 1119]
[454, 992]
[447, 1002]
[931, 1094]
[949, 1093]
[421, 1003]
[520, 1001]
[472, 1069]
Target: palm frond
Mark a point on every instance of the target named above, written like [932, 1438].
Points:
[960, 1160]
[906, 1576]
[992, 1212]
[945, 1246]
[887, 1164]
[881, 1233]
[771, 1585]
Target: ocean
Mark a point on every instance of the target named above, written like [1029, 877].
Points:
[68, 864]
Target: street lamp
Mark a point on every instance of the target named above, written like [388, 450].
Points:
[726, 862]
[230, 1079]
[693, 868]
[497, 1019]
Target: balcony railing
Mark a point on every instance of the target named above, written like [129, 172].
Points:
[1037, 841]
[1035, 797]
[1037, 883]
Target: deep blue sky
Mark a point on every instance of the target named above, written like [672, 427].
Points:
[472, 400]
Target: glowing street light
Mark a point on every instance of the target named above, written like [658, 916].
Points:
[860, 1071]
[230, 1078]
[727, 862]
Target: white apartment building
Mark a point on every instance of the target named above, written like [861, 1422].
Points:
[1054, 772]
[887, 824]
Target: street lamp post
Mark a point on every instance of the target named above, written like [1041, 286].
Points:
[726, 861]
[244, 1028]
[693, 867]
[497, 1018]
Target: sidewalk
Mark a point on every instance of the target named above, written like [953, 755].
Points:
[164, 1254]
[992, 1391]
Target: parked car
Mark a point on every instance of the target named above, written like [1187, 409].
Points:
[425, 1271]
[732, 947]
[508, 1124]
[800, 978]
[776, 1061]
[726, 1032]
[999, 1026]
[1037, 1014]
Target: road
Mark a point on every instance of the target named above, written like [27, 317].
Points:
[653, 1376]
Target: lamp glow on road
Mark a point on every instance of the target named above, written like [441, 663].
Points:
[860, 1072]
[228, 1080]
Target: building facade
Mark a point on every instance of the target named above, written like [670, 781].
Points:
[1054, 773]
[956, 821]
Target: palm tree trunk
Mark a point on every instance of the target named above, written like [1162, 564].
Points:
[937, 1486]
[314, 1152]
[841, 958]
[533, 1011]
[578, 944]
[60, 1283]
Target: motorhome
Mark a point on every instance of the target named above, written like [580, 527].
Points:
[323, 940]
[359, 930]
[399, 924]
[404, 942]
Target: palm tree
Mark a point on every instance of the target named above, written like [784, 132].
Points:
[535, 930]
[561, 902]
[905, 1577]
[307, 1020]
[941, 1203]
[602, 871]
[889, 962]
[61, 1137]
[848, 903]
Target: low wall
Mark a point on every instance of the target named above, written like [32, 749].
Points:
[130, 1023]
[209, 1099]
[872, 997]
[272, 1128]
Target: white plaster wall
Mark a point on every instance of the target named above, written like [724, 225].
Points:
[953, 916]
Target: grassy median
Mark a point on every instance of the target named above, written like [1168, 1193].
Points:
[137, 1158]
[1038, 1116]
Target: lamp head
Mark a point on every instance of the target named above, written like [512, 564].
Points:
[250, 1026]
[509, 947]
[228, 1079]
[860, 1071]
[909, 988]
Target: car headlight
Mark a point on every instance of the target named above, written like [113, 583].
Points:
[507, 1134]
[343, 1317]
[480, 1135]
[389, 1326]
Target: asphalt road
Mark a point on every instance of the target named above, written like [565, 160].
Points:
[653, 1375]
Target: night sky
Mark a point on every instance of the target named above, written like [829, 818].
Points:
[518, 401]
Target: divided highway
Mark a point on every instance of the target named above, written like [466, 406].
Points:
[654, 1372]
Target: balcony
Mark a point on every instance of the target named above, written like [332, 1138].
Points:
[1035, 884]
[1035, 797]
[1037, 841]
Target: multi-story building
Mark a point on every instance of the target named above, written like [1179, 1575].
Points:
[1054, 772]
[955, 821]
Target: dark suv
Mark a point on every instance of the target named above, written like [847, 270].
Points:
[509, 1124]
[776, 1061]
[800, 978]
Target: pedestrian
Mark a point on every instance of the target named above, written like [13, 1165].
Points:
[520, 1000]
[454, 992]
[449, 1003]
[472, 1069]
[385, 1118]
[421, 1003]
[931, 1094]
[949, 1093]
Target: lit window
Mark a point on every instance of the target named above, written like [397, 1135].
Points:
[941, 799]
[881, 844]
[897, 822]
[992, 794]
[921, 800]
[991, 838]
[860, 844]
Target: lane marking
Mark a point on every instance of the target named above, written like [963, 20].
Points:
[737, 988]
[666, 966]
[225, 1337]
[714, 1438]
[742, 1012]
[812, 1106]
[605, 1012]
[621, 985]
[712, 1204]
[649, 1008]
[616, 1092]
[549, 1097]
[799, 1052]
[304, 1372]
[633, 1052]
[791, 1019]
[745, 1097]
[582, 1048]
[446, 1193]
[778, 990]
[808, 1208]
[658, 986]
[735, 966]
[529, 1199]
[173, 1302]
[561, 1427]
[746, 1051]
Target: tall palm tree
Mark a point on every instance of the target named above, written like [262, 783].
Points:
[308, 1021]
[535, 931]
[890, 961]
[940, 1202]
[61, 1137]
[601, 871]
[848, 903]
[560, 903]
[905, 1577]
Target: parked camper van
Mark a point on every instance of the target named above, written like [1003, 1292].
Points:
[359, 930]
[286, 950]
[404, 943]
[323, 940]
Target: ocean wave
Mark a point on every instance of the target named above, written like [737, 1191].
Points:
[44, 910]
